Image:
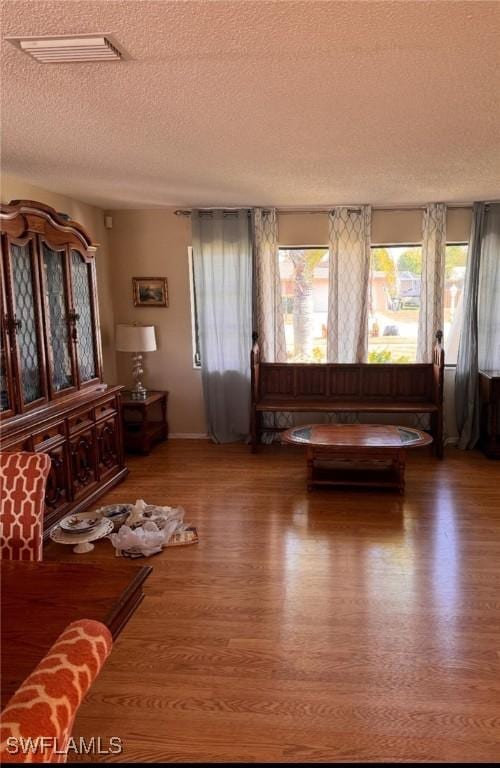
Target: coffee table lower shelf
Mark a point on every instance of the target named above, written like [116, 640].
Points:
[387, 471]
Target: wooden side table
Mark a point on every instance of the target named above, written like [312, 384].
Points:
[144, 421]
[489, 388]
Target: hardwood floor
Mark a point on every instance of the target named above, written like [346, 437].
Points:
[330, 626]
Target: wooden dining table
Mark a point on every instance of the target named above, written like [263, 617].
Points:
[38, 600]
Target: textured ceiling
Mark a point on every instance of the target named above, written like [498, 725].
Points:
[286, 103]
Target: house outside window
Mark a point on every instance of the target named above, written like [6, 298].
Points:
[395, 287]
[394, 303]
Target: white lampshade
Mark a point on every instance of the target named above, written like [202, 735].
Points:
[135, 338]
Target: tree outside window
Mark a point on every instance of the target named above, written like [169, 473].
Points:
[304, 274]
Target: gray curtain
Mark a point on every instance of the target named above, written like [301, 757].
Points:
[489, 292]
[466, 375]
[222, 258]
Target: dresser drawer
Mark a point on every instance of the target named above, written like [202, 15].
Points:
[25, 444]
[108, 408]
[49, 434]
[82, 420]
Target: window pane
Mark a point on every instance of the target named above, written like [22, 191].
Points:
[304, 292]
[394, 304]
[455, 265]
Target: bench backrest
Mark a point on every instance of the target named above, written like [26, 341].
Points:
[344, 382]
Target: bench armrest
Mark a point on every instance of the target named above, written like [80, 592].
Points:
[254, 368]
[438, 369]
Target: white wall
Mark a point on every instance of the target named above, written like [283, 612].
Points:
[388, 227]
[154, 243]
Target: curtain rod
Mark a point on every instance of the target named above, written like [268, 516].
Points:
[289, 211]
[456, 207]
[228, 211]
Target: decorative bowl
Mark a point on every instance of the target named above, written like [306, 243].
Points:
[116, 513]
[83, 522]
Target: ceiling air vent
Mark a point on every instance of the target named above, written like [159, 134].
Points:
[66, 49]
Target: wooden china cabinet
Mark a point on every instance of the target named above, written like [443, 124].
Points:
[52, 397]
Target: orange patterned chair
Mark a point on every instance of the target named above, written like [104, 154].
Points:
[23, 477]
[37, 721]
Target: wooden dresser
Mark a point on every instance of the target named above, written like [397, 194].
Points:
[52, 397]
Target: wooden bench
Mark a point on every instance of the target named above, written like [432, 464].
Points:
[347, 388]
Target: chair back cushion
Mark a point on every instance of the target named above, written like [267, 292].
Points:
[23, 477]
[36, 723]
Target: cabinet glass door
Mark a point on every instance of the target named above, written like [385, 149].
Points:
[25, 322]
[56, 316]
[82, 303]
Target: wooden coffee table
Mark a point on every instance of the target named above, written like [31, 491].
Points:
[356, 454]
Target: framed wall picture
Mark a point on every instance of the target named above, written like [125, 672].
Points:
[150, 291]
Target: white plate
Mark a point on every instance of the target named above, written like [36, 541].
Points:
[104, 528]
[80, 523]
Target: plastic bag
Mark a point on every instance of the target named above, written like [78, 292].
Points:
[153, 527]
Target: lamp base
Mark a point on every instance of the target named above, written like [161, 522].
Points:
[139, 394]
[139, 391]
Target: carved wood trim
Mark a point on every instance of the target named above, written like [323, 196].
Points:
[32, 212]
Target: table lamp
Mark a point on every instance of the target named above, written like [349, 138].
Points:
[136, 339]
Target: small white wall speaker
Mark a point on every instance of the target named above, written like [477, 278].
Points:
[108, 222]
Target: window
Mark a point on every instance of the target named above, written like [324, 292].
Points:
[194, 316]
[394, 306]
[304, 276]
[395, 302]
[455, 266]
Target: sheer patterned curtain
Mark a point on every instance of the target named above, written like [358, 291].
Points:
[432, 286]
[269, 316]
[270, 322]
[347, 326]
[222, 258]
